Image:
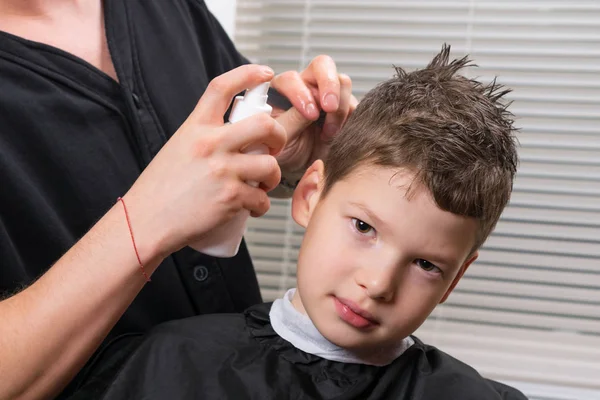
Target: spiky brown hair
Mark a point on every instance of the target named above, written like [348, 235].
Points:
[454, 133]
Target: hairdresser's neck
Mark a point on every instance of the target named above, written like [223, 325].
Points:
[44, 8]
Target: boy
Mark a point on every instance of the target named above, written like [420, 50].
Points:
[410, 190]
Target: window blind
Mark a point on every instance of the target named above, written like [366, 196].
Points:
[528, 310]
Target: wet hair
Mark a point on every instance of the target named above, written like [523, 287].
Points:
[454, 133]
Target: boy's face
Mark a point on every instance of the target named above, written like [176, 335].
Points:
[374, 263]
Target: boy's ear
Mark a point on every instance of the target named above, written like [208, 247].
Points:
[460, 274]
[306, 195]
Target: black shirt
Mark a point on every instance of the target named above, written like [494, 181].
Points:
[72, 140]
[240, 356]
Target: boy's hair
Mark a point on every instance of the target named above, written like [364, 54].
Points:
[454, 133]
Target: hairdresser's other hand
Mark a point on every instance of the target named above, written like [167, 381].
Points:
[318, 87]
[198, 179]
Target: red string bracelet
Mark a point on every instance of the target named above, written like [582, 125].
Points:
[133, 240]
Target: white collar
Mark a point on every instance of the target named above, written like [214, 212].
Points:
[299, 330]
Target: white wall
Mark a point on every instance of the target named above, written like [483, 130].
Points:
[224, 10]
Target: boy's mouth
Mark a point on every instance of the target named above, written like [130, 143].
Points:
[352, 314]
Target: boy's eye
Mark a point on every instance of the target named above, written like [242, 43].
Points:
[426, 265]
[362, 226]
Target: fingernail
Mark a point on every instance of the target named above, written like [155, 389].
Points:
[331, 100]
[311, 110]
[330, 129]
[267, 70]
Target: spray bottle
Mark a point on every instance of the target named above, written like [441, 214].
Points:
[225, 240]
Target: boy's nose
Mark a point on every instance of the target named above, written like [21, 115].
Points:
[379, 282]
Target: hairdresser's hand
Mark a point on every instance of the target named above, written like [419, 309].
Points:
[198, 179]
[318, 87]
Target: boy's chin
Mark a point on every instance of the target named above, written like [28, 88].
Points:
[363, 344]
[371, 351]
[347, 337]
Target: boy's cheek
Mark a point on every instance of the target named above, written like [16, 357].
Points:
[329, 256]
[327, 269]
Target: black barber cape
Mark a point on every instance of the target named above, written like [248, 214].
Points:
[72, 140]
[239, 356]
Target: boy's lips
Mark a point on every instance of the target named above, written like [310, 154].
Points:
[351, 313]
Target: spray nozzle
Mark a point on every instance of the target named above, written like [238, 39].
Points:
[258, 94]
[253, 102]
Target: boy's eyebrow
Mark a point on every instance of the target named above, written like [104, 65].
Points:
[369, 213]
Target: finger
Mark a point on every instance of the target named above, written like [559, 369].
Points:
[335, 120]
[323, 72]
[293, 122]
[353, 103]
[257, 129]
[291, 85]
[220, 91]
[261, 168]
[255, 200]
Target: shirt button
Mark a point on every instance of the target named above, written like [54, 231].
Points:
[200, 273]
[136, 100]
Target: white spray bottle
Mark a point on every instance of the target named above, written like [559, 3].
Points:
[224, 241]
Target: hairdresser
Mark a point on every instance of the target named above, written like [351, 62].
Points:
[114, 157]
